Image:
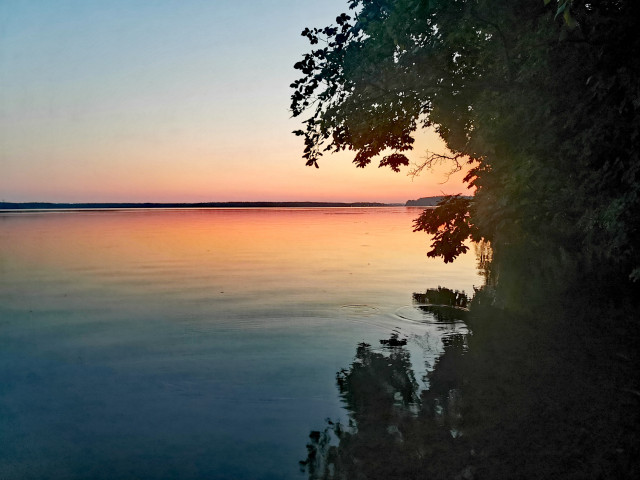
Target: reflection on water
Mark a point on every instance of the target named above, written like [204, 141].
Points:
[394, 430]
[204, 343]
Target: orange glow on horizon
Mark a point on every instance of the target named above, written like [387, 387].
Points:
[205, 175]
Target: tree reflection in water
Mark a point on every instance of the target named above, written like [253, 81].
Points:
[394, 430]
[547, 394]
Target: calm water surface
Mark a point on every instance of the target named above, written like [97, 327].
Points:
[197, 344]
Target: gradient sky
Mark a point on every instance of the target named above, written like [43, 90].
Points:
[184, 100]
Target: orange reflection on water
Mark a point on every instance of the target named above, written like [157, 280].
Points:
[334, 251]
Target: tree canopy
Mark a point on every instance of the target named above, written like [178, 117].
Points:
[537, 99]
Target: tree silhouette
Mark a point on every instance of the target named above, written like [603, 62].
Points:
[537, 99]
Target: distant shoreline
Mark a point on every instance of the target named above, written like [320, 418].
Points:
[12, 206]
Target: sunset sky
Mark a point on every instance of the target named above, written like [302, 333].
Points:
[169, 101]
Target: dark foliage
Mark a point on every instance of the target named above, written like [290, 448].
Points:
[540, 97]
[449, 224]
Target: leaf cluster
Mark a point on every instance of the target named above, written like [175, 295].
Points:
[542, 98]
[450, 226]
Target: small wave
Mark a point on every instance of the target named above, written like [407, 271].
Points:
[360, 310]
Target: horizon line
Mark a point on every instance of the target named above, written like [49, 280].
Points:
[32, 205]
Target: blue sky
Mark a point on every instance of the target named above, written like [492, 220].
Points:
[167, 101]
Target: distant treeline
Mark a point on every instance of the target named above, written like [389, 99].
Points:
[51, 206]
[425, 202]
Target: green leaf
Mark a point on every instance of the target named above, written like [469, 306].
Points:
[569, 20]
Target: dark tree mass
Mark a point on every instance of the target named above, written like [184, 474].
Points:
[537, 99]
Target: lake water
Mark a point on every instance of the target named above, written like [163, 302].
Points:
[198, 344]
